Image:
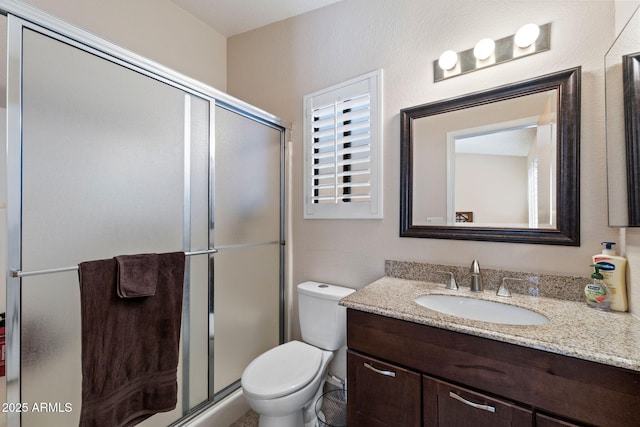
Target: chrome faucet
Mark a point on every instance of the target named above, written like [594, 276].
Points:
[476, 278]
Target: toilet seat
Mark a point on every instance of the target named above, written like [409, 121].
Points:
[282, 370]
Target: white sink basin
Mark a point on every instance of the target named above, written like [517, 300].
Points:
[483, 310]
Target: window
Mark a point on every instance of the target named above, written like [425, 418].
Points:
[343, 150]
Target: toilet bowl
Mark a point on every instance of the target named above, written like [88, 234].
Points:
[285, 380]
[283, 384]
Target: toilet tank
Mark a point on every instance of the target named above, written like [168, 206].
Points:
[323, 323]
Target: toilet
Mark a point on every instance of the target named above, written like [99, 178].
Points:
[283, 384]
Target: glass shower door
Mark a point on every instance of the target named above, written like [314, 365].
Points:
[246, 294]
[107, 157]
[113, 162]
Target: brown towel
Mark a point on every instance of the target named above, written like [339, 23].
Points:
[137, 275]
[130, 347]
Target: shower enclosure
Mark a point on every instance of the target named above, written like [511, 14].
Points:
[110, 154]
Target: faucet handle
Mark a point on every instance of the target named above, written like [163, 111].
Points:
[503, 291]
[453, 286]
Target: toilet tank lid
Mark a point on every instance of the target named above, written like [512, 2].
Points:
[324, 290]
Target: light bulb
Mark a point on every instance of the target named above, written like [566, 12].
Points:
[448, 60]
[484, 48]
[526, 35]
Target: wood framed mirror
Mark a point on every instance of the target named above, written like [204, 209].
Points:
[507, 157]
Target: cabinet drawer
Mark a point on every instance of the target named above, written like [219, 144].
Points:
[381, 394]
[454, 406]
[548, 421]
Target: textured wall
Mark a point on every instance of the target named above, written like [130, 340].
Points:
[156, 29]
[274, 67]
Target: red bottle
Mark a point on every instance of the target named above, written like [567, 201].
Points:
[3, 361]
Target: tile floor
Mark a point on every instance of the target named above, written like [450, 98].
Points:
[250, 419]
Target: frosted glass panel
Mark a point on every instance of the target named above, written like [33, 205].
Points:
[246, 294]
[247, 180]
[51, 346]
[103, 174]
[246, 307]
[102, 150]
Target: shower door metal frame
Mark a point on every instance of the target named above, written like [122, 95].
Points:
[22, 16]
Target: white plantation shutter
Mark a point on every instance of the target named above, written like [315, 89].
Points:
[343, 146]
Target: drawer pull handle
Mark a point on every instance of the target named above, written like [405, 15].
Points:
[379, 371]
[487, 408]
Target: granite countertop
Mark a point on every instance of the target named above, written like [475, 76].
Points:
[574, 329]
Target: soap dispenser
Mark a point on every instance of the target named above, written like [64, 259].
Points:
[613, 269]
[597, 293]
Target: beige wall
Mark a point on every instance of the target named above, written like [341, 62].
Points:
[156, 29]
[509, 175]
[275, 66]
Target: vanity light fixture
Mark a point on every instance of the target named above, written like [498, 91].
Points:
[529, 39]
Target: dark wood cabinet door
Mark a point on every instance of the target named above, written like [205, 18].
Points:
[446, 405]
[381, 394]
[543, 420]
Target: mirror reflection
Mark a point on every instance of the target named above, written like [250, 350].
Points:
[498, 174]
[499, 165]
[623, 181]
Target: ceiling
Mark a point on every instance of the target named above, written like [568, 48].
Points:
[231, 17]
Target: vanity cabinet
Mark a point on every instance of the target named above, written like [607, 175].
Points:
[389, 395]
[402, 373]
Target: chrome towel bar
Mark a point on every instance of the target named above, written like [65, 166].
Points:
[18, 273]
